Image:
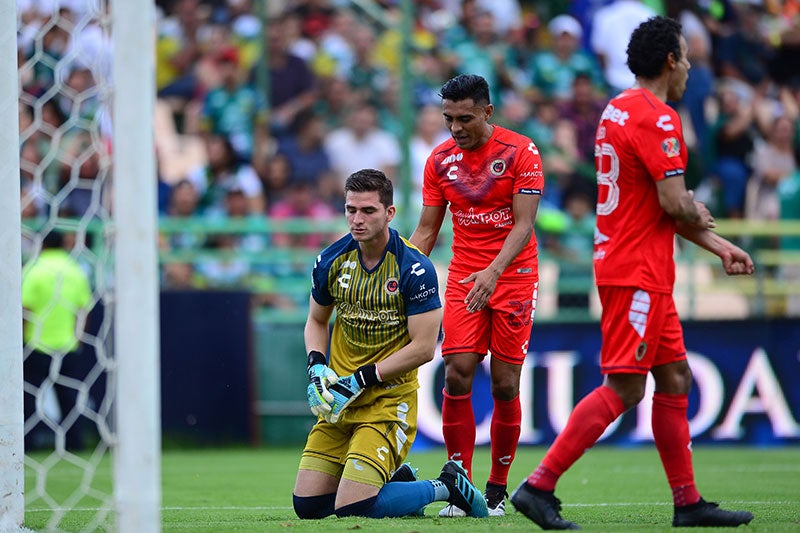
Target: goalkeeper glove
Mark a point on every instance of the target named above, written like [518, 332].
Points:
[348, 388]
[319, 377]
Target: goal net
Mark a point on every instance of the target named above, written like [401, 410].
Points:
[89, 291]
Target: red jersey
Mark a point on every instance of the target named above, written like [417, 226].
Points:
[639, 142]
[480, 186]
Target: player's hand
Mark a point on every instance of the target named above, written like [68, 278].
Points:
[318, 405]
[737, 262]
[344, 392]
[320, 377]
[706, 220]
[482, 289]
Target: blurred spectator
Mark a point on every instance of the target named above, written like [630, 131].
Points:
[361, 143]
[700, 84]
[306, 156]
[223, 172]
[731, 142]
[178, 49]
[744, 54]
[429, 132]
[292, 86]
[506, 14]
[246, 32]
[275, 177]
[611, 31]
[301, 201]
[56, 298]
[83, 176]
[483, 52]
[183, 203]
[335, 102]
[553, 70]
[235, 109]
[773, 161]
[563, 162]
[583, 109]
[367, 79]
[574, 245]
[227, 268]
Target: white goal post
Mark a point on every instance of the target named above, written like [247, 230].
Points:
[137, 461]
[11, 414]
[129, 423]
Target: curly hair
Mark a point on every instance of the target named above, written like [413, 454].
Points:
[650, 45]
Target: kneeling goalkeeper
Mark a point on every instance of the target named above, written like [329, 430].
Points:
[385, 293]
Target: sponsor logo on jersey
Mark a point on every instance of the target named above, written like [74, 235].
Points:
[498, 218]
[453, 158]
[391, 286]
[675, 172]
[497, 167]
[355, 310]
[671, 147]
[664, 123]
[422, 293]
[612, 114]
[527, 190]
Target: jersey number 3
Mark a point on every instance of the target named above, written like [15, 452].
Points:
[607, 163]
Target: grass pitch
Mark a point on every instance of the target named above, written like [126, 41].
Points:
[609, 489]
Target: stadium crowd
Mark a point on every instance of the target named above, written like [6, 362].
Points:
[264, 109]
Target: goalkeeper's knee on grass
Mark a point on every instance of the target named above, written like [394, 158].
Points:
[312, 507]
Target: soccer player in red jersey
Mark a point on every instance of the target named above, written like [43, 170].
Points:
[640, 157]
[492, 179]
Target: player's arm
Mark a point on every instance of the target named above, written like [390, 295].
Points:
[524, 208]
[423, 329]
[735, 261]
[316, 331]
[679, 203]
[427, 230]
[320, 377]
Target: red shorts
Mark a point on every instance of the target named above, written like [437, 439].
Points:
[640, 330]
[503, 326]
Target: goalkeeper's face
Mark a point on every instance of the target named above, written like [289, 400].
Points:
[367, 217]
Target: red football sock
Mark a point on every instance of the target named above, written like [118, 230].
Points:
[674, 444]
[505, 428]
[458, 429]
[587, 422]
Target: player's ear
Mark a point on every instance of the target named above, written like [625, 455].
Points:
[390, 212]
[489, 110]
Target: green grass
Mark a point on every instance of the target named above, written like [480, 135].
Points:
[609, 489]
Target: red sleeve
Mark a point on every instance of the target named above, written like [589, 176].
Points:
[529, 174]
[431, 192]
[660, 146]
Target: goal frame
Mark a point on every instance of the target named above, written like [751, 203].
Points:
[136, 447]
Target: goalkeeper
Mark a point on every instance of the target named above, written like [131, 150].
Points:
[386, 296]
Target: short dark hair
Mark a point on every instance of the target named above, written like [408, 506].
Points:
[369, 180]
[466, 86]
[650, 45]
[53, 239]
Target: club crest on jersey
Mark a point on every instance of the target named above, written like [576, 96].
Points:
[641, 350]
[497, 167]
[391, 286]
[671, 147]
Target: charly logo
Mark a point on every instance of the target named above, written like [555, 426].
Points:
[497, 167]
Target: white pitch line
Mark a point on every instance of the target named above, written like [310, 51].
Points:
[286, 507]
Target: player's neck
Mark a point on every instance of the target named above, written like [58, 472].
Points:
[372, 250]
[658, 87]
